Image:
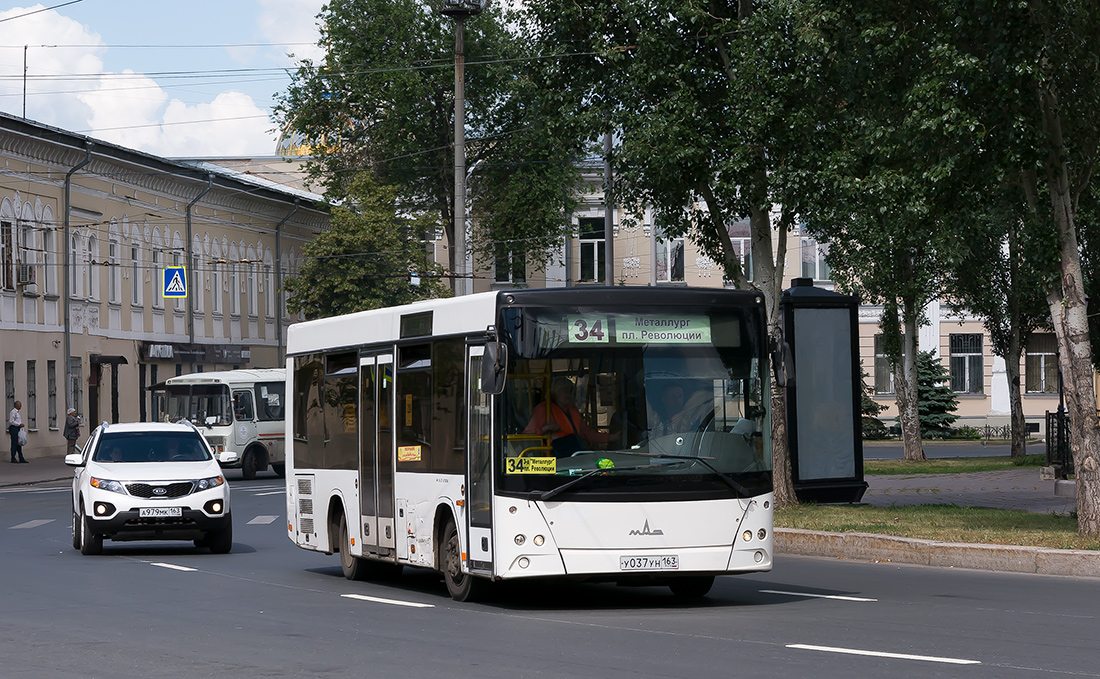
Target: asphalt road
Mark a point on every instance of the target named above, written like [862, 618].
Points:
[269, 609]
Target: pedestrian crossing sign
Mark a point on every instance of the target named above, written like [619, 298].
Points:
[175, 282]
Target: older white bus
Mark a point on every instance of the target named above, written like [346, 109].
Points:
[240, 412]
[607, 434]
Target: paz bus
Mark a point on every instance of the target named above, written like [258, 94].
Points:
[413, 437]
[240, 412]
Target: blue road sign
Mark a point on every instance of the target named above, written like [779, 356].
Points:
[175, 282]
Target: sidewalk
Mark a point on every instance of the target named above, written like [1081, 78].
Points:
[37, 470]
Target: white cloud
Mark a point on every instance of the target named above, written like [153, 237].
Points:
[128, 108]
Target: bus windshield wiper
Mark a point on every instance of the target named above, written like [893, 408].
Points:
[547, 494]
[702, 460]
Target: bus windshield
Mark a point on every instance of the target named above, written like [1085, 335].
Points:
[203, 404]
[646, 402]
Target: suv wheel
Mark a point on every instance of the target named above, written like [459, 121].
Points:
[90, 543]
[220, 541]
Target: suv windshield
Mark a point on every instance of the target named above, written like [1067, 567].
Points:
[151, 447]
[660, 401]
[203, 404]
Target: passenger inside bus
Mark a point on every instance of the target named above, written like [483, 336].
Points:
[559, 418]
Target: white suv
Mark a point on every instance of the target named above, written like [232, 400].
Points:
[149, 481]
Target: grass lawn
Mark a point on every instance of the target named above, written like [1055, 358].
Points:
[950, 465]
[948, 523]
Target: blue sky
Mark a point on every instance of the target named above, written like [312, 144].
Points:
[141, 73]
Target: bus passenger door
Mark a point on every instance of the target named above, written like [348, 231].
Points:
[368, 455]
[479, 470]
[384, 459]
[244, 420]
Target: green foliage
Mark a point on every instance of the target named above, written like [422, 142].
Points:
[364, 260]
[936, 401]
[382, 99]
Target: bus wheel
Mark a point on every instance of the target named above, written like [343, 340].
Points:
[462, 586]
[280, 470]
[692, 587]
[355, 568]
[248, 466]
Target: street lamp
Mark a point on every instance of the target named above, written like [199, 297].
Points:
[460, 10]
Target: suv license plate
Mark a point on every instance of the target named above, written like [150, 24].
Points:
[668, 562]
[159, 512]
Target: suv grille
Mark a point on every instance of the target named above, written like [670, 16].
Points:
[178, 489]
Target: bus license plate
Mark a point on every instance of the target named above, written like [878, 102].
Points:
[160, 512]
[669, 562]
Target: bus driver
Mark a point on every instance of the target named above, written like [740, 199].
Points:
[564, 423]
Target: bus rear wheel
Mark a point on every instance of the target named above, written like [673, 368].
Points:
[461, 586]
[692, 587]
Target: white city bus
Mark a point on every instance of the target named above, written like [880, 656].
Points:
[240, 412]
[417, 439]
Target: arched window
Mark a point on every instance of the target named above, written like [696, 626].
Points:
[76, 258]
[49, 251]
[136, 284]
[197, 278]
[7, 245]
[114, 264]
[253, 283]
[234, 281]
[270, 293]
[28, 236]
[216, 271]
[158, 269]
[92, 267]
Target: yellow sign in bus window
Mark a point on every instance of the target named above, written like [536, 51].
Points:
[408, 453]
[531, 465]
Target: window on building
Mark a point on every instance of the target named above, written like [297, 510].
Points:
[592, 250]
[670, 258]
[114, 272]
[51, 392]
[216, 289]
[196, 292]
[92, 267]
[135, 275]
[158, 276]
[32, 396]
[508, 266]
[884, 376]
[7, 255]
[271, 293]
[9, 389]
[813, 260]
[1041, 364]
[234, 291]
[49, 241]
[967, 363]
[177, 260]
[29, 251]
[253, 299]
[76, 277]
[76, 384]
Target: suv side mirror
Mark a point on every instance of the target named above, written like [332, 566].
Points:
[75, 460]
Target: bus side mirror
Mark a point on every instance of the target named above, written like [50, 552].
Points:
[494, 367]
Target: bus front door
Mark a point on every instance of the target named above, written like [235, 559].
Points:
[376, 504]
[479, 470]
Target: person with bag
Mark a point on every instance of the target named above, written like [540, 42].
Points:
[18, 436]
[560, 419]
[72, 431]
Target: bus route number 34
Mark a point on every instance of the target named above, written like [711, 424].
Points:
[588, 329]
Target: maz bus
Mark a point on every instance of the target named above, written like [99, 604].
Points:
[417, 439]
[240, 412]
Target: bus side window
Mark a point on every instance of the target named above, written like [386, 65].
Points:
[242, 406]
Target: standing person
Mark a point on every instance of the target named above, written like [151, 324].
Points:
[72, 431]
[15, 424]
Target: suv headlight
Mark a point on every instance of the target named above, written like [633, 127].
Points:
[207, 484]
[107, 484]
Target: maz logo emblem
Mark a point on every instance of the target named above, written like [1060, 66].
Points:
[160, 491]
[646, 531]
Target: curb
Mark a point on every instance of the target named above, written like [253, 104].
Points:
[15, 484]
[891, 549]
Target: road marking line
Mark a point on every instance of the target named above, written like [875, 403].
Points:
[172, 566]
[395, 602]
[33, 524]
[274, 492]
[881, 654]
[819, 596]
[266, 519]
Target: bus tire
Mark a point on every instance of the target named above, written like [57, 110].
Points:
[280, 470]
[248, 465]
[354, 567]
[461, 586]
[692, 586]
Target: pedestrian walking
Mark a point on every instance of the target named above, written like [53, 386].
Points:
[15, 429]
[72, 431]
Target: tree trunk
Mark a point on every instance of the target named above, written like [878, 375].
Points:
[1070, 316]
[781, 458]
[1018, 424]
[905, 386]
